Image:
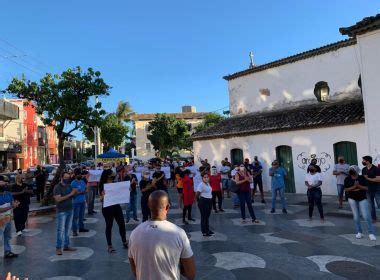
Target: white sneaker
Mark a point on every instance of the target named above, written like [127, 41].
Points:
[372, 237]
[359, 235]
[19, 233]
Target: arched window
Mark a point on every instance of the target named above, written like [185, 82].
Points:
[321, 91]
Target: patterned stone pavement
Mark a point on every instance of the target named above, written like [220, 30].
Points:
[283, 246]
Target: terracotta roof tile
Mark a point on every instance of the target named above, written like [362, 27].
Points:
[303, 117]
[365, 25]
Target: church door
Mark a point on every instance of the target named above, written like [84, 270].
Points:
[285, 157]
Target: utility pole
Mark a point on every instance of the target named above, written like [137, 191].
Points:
[97, 140]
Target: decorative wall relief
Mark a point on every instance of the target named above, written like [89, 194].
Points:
[324, 160]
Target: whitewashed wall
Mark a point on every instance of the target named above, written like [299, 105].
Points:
[369, 48]
[295, 81]
[312, 141]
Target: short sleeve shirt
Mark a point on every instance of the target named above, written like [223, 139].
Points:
[355, 195]
[156, 248]
[256, 169]
[63, 190]
[372, 173]
[205, 190]
[313, 179]
[278, 178]
[341, 168]
[80, 185]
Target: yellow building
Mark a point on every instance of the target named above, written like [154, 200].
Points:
[144, 149]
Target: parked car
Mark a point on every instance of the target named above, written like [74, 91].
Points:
[9, 177]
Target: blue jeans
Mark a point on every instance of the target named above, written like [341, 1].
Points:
[225, 184]
[7, 233]
[340, 189]
[372, 196]
[281, 191]
[363, 207]
[236, 199]
[63, 228]
[245, 198]
[78, 215]
[131, 206]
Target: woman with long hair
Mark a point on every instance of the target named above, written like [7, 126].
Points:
[178, 179]
[113, 212]
[188, 196]
[204, 198]
[243, 179]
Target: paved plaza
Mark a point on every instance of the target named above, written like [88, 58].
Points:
[283, 246]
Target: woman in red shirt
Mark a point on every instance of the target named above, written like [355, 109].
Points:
[216, 185]
[243, 179]
[188, 196]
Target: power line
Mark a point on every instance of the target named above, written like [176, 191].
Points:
[20, 50]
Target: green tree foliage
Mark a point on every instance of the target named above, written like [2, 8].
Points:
[112, 131]
[169, 135]
[124, 111]
[209, 120]
[63, 100]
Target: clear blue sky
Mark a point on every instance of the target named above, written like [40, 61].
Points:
[159, 55]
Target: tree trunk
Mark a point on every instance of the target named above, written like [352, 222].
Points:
[48, 198]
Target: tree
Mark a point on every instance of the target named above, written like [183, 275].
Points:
[124, 111]
[209, 120]
[63, 101]
[169, 135]
[112, 131]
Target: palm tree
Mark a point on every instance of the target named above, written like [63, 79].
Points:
[124, 111]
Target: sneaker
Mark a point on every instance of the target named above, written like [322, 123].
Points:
[284, 211]
[10, 255]
[136, 220]
[221, 210]
[58, 252]
[75, 233]
[191, 219]
[372, 237]
[263, 201]
[207, 235]
[69, 249]
[19, 233]
[211, 232]
[273, 210]
[216, 211]
[185, 222]
[359, 235]
[84, 230]
[126, 221]
[243, 221]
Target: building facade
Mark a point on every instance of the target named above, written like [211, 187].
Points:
[144, 149]
[317, 104]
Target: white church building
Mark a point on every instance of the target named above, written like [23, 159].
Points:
[318, 104]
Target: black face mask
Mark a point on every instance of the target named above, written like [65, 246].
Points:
[341, 161]
[364, 163]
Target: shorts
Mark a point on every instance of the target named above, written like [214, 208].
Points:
[340, 189]
[180, 190]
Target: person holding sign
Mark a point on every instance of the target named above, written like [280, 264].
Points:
[111, 212]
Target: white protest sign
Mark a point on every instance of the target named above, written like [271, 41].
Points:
[166, 170]
[94, 175]
[116, 193]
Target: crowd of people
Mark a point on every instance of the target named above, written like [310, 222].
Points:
[207, 186]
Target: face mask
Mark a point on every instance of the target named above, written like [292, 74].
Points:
[66, 181]
[341, 161]
[352, 172]
[364, 163]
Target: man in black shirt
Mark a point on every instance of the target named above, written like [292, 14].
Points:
[41, 177]
[372, 174]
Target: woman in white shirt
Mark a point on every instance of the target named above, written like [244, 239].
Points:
[204, 198]
[313, 182]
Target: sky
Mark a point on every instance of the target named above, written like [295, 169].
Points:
[160, 55]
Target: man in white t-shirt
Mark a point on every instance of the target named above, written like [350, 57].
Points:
[341, 172]
[158, 249]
